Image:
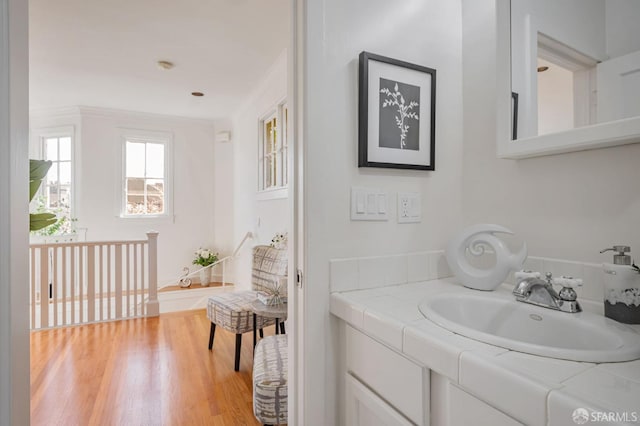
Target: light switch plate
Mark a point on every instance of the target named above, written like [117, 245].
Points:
[409, 207]
[369, 204]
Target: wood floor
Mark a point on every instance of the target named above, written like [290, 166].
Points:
[154, 371]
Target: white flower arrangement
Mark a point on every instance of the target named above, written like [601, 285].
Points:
[279, 241]
[205, 257]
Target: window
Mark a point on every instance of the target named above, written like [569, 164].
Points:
[146, 182]
[56, 194]
[272, 162]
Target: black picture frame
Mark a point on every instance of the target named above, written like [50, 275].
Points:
[390, 92]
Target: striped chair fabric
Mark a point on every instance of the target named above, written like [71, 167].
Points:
[270, 366]
[232, 311]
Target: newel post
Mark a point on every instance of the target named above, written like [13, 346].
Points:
[153, 307]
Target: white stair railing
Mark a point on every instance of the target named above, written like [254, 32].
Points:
[223, 262]
[83, 282]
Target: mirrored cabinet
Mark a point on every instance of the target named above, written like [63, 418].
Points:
[568, 75]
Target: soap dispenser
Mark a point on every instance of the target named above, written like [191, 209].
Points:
[621, 287]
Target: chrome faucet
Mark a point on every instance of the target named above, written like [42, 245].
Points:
[531, 289]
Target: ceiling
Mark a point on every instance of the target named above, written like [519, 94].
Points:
[105, 53]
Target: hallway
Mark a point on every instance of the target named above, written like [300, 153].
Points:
[154, 371]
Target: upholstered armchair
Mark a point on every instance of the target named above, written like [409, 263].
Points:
[232, 311]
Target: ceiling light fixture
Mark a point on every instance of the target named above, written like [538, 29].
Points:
[197, 94]
[165, 65]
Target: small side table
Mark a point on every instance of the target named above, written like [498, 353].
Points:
[279, 312]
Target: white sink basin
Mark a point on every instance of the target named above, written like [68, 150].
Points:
[499, 320]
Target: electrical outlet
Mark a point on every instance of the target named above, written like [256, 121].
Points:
[409, 210]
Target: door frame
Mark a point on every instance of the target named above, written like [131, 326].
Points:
[14, 245]
[297, 262]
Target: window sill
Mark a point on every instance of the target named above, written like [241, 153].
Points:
[148, 218]
[273, 194]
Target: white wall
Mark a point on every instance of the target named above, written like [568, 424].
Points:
[223, 188]
[97, 159]
[261, 217]
[623, 31]
[566, 206]
[422, 32]
[14, 271]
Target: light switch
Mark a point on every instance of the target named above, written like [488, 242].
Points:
[382, 203]
[369, 204]
[360, 203]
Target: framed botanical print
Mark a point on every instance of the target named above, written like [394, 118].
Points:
[396, 114]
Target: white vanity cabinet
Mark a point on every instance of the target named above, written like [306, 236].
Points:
[384, 387]
[365, 408]
[382, 383]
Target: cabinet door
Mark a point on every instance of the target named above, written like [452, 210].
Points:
[365, 408]
[395, 379]
[465, 410]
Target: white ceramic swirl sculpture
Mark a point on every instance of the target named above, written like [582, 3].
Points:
[476, 239]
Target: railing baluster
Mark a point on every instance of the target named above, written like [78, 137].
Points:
[109, 284]
[145, 285]
[118, 300]
[64, 285]
[53, 283]
[100, 281]
[72, 283]
[128, 292]
[44, 287]
[81, 277]
[135, 280]
[153, 307]
[91, 277]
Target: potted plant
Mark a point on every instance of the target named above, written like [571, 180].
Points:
[205, 258]
[37, 171]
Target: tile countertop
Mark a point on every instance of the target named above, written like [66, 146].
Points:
[532, 389]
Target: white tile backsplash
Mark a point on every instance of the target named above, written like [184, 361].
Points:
[533, 264]
[373, 272]
[417, 267]
[593, 282]
[396, 271]
[344, 274]
[562, 267]
[438, 266]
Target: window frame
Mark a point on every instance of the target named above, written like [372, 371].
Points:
[280, 190]
[39, 136]
[146, 136]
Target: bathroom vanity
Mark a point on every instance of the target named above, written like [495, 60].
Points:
[399, 368]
